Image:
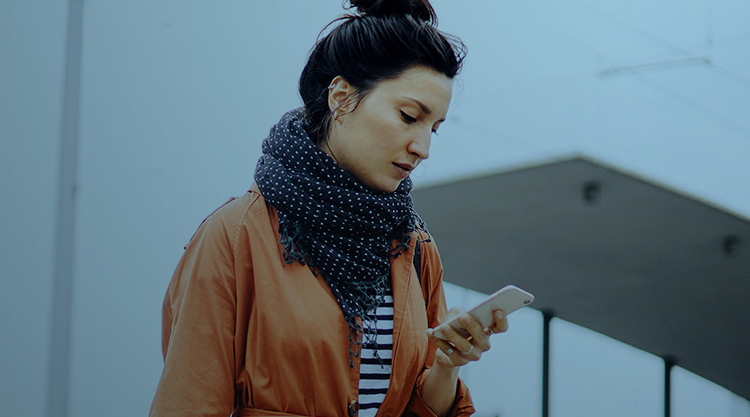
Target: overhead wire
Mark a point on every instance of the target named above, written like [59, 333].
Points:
[639, 70]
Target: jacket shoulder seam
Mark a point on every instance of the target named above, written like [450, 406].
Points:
[253, 198]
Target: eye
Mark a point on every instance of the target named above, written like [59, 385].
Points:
[407, 118]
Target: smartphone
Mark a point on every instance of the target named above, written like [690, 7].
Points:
[509, 299]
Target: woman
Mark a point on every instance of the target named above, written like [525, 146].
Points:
[301, 298]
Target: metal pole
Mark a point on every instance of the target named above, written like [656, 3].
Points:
[669, 362]
[547, 315]
[59, 350]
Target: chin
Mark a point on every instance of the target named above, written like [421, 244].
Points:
[389, 188]
[383, 184]
[383, 188]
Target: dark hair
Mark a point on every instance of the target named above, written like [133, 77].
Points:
[381, 41]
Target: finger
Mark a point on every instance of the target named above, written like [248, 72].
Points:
[446, 347]
[450, 335]
[447, 353]
[500, 322]
[478, 337]
[453, 312]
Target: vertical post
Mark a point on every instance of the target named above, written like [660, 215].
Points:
[59, 349]
[547, 315]
[669, 362]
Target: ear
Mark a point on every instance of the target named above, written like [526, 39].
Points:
[339, 93]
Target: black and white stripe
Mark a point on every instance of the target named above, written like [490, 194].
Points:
[374, 374]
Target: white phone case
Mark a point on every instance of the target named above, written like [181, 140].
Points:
[509, 299]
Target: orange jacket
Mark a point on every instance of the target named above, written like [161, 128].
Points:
[245, 333]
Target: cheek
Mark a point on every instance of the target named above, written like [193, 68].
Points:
[386, 134]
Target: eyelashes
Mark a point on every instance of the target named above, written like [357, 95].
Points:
[409, 120]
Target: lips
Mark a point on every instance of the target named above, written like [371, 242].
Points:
[403, 169]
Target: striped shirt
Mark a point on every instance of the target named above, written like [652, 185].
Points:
[374, 375]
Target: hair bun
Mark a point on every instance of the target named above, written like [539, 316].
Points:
[419, 9]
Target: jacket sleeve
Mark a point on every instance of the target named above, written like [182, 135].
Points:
[432, 288]
[198, 324]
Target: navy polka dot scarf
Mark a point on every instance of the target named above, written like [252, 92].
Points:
[331, 222]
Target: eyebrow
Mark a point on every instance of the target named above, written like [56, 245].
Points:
[422, 106]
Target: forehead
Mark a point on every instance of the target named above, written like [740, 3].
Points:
[419, 83]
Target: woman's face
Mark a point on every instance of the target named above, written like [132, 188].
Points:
[387, 135]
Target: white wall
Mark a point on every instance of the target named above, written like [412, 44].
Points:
[176, 97]
[176, 100]
[32, 37]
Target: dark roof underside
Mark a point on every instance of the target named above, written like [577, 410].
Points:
[654, 269]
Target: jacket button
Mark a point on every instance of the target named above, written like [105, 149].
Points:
[353, 408]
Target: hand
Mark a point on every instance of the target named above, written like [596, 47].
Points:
[456, 350]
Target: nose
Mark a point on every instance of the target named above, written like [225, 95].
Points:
[420, 145]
